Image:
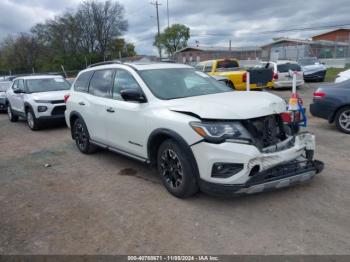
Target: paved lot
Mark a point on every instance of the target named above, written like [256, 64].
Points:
[108, 204]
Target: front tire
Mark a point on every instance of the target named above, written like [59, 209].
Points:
[82, 137]
[12, 117]
[176, 170]
[342, 120]
[32, 121]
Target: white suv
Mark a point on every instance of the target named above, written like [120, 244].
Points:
[38, 99]
[198, 132]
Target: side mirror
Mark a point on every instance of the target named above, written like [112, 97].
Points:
[18, 91]
[133, 95]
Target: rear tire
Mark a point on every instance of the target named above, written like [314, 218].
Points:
[32, 121]
[12, 117]
[342, 120]
[82, 137]
[176, 170]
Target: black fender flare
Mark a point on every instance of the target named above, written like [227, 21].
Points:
[74, 114]
[161, 134]
[26, 105]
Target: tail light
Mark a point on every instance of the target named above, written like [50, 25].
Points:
[319, 94]
[289, 117]
[244, 77]
[275, 76]
[65, 98]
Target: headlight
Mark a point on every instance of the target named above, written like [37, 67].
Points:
[217, 132]
[2, 94]
[42, 109]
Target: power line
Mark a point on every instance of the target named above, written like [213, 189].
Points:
[306, 28]
[316, 28]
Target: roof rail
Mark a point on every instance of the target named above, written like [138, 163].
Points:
[105, 63]
[35, 74]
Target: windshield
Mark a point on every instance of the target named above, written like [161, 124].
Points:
[181, 82]
[226, 65]
[308, 61]
[4, 86]
[47, 85]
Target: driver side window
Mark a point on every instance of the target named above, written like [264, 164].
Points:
[123, 80]
[15, 85]
[21, 85]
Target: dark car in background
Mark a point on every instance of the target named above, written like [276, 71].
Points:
[332, 102]
[4, 85]
[313, 69]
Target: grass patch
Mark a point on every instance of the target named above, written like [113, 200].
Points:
[333, 72]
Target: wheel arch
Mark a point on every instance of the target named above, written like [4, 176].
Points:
[158, 136]
[27, 106]
[72, 117]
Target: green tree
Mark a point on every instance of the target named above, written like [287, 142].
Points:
[119, 46]
[173, 38]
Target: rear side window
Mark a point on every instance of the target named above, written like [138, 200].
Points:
[226, 64]
[284, 68]
[101, 83]
[82, 83]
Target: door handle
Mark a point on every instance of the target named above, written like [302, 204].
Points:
[110, 110]
[81, 103]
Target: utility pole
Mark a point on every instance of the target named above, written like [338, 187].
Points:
[167, 11]
[156, 4]
[230, 48]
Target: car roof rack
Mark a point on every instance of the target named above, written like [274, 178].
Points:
[105, 63]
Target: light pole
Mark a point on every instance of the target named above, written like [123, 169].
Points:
[167, 11]
[156, 4]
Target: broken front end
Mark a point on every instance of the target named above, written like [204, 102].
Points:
[265, 154]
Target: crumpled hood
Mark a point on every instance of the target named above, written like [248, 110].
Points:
[230, 105]
[52, 95]
[310, 69]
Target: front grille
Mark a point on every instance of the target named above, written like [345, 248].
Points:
[57, 101]
[58, 110]
[266, 131]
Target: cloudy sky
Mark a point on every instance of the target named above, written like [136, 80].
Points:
[245, 22]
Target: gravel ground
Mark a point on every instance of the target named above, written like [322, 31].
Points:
[108, 204]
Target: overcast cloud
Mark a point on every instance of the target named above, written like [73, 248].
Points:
[211, 22]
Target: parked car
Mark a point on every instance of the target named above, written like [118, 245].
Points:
[313, 69]
[4, 85]
[332, 102]
[282, 73]
[200, 133]
[342, 76]
[39, 99]
[259, 77]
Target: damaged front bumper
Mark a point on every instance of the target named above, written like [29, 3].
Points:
[277, 177]
[277, 166]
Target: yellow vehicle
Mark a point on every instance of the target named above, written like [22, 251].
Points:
[229, 68]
